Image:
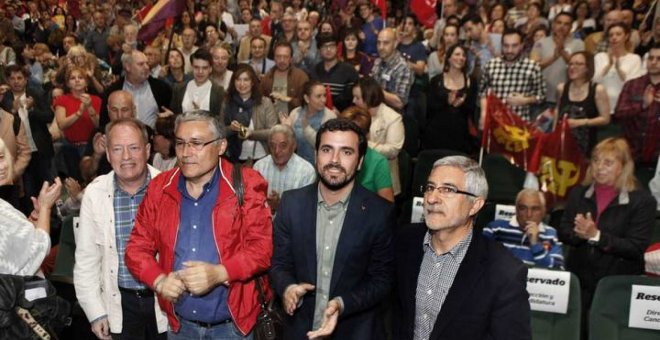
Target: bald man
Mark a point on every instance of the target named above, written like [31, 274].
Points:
[94, 163]
[391, 71]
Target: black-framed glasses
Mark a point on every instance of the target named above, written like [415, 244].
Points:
[443, 190]
[194, 144]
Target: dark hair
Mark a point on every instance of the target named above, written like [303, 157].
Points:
[490, 10]
[339, 124]
[538, 7]
[474, 18]
[307, 89]
[372, 92]
[655, 46]
[449, 52]
[567, 14]
[15, 68]
[453, 19]
[413, 17]
[71, 35]
[589, 61]
[324, 38]
[624, 27]
[512, 31]
[165, 128]
[285, 44]
[577, 5]
[202, 54]
[255, 91]
[183, 59]
[258, 38]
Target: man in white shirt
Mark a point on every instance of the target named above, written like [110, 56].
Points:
[200, 93]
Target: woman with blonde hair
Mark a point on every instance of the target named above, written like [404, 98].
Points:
[608, 220]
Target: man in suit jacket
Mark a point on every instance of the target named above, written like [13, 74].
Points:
[332, 255]
[151, 96]
[452, 283]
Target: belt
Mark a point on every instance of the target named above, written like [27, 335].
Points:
[141, 293]
[205, 324]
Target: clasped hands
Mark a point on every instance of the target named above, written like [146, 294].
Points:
[585, 227]
[291, 301]
[196, 277]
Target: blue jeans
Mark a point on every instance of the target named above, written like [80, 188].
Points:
[192, 331]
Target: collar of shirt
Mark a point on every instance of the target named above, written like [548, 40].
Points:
[213, 183]
[321, 201]
[457, 252]
[130, 87]
[119, 190]
[514, 223]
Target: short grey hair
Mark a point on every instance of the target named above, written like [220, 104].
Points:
[475, 177]
[531, 192]
[216, 127]
[283, 129]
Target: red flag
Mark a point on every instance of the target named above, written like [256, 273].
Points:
[507, 134]
[559, 163]
[382, 6]
[425, 11]
[328, 98]
[156, 17]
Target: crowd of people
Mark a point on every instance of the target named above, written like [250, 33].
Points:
[256, 146]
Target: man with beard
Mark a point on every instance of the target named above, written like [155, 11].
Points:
[452, 283]
[514, 79]
[332, 255]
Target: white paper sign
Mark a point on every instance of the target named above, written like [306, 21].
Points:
[504, 212]
[644, 307]
[548, 290]
[417, 215]
[241, 29]
[35, 293]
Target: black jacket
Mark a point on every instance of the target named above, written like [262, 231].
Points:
[39, 116]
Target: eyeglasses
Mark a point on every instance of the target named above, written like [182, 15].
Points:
[194, 144]
[443, 190]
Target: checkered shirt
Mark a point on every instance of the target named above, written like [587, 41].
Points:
[522, 76]
[125, 207]
[394, 75]
[436, 276]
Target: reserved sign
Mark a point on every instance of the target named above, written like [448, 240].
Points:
[548, 290]
[644, 307]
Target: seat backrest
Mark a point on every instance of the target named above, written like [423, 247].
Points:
[63, 271]
[553, 326]
[505, 180]
[608, 318]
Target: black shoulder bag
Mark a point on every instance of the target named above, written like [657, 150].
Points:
[270, 320]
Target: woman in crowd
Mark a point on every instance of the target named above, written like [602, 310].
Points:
[386, 132]
[79, 57]
[164, 156]
[173, 73]
[448, 115]
[616, 66]
[26, 241]
[8, 191]
[583, 25]
[608, 221]
[497, 26]
[374, 174]
[584, 101]
[360, 60]
[248, 115]
[307, 119]
[77, 115]
[532, 20]
[435, 61]
[497, 12]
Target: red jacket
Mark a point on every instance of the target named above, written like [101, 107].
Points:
[243, 240]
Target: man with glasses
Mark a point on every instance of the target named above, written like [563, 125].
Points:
[332, 256]
[337, 75]
[452, 283]
[525, 235]
[116, 304]
[195, 244]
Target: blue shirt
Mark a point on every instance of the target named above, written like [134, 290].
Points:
[196, 242]
[371, 30]
[305, 150]
[125, 207]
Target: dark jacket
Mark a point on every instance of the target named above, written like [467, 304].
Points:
[161, 91]
[625, 232]
[39, 116]
[362, 271]
[487, 300]
[215, 102]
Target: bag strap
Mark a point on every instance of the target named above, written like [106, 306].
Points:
[237, 182]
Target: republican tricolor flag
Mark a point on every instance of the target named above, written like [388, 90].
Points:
[155, 18]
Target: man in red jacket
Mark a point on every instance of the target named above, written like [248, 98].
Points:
[193, 243]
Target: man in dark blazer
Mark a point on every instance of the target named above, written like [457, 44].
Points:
[149, 104]
[332, 259]
[30, 103]
[451, 282]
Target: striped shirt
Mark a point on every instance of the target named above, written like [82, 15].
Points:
[436, 277]
[394, 75]
[547, 252]
[125, 207]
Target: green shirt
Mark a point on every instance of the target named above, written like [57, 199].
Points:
[375, 174]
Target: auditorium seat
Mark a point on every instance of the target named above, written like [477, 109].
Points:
[553, 326]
